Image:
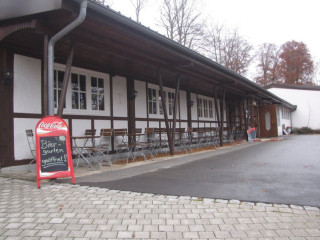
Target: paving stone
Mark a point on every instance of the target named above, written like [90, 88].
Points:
[141, 235]
[222, 234]
[74, 212]
[308, 208]
[93, 234]
[45, 233]
[238, 234]
[158, 235]
[190, 235]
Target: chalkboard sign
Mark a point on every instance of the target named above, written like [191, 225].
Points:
[53, 150]
[53, 154]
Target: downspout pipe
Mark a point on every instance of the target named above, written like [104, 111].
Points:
[53, 40]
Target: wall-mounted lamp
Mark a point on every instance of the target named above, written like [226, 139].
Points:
[133, 94]
[190, 103]
[7, 77]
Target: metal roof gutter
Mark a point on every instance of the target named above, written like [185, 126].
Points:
[168, 43]
[53, 40]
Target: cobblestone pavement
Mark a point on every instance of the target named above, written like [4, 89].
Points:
[62, 211]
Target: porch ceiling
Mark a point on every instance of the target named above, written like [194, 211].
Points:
[104, 42]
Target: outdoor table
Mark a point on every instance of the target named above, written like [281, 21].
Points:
[82, 151]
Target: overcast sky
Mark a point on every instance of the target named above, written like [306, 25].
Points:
[259, 21]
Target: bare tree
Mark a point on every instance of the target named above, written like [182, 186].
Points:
[138, 5]
[227, 48]
[268, 61]
[182, 22]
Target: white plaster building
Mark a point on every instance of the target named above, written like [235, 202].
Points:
[307, 100]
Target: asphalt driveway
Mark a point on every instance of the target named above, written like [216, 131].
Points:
[285, 172]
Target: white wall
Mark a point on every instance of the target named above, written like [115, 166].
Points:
[21, 147]
[307, 101]
[193, 98]
[183, 105]
[101, 124]
[141, 99]
[27, 85]
[119, 97]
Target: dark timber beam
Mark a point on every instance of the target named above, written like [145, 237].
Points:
[222, 104]
[216, 107]
[189, 109]
[165, 113]
[176, 96]
[66, 78]
[131, 106]
[8, 29]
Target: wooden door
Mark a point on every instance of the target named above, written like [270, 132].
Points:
[268, 121]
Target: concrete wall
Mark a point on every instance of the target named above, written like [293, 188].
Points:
[307, 101]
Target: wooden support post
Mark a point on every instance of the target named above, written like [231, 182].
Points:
[45, 76]
[217, 112]
[222, 104]
[175, 111]
[111, 76]
[165, 113]
[131, 106]
[189, 115]
[66, 78]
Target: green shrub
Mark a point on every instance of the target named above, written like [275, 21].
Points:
[305, 130]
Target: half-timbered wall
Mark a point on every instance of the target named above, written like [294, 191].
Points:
[83, 113]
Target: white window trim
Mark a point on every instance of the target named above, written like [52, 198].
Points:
[213, 118]
[88, 74]
[157, 88]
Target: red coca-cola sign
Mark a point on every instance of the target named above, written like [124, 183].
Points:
[54, 158]
[50, 126]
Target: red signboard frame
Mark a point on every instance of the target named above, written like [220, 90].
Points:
[55, 128]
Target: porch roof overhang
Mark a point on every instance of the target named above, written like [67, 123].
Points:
[110, 42]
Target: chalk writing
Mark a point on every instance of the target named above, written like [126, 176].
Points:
[53, 153]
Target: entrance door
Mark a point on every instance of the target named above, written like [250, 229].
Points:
[268, 121]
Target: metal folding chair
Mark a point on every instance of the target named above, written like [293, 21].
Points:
[83, 147]
[140, 146]
[122, 144]
[32, 146]
[101, 152]
[151, 140]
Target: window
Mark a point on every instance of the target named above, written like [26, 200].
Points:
[285, 114]
[210, 109]
[205, 108]
[160, 102]
[58, 81]
[171, 102]
[152, 101]
[278, 117]
[97, 94]
[268, 121]
[155, 101]
[199, 105]
[79, 95]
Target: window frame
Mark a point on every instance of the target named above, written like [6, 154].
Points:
[167, 91]
[205, 108]
[88, 74]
